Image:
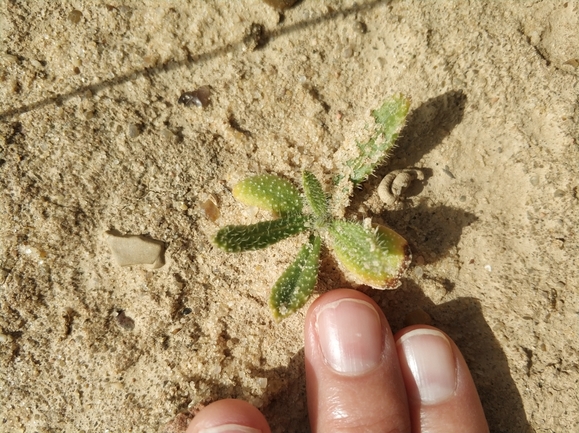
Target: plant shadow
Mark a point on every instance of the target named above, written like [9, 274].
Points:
[463, 320]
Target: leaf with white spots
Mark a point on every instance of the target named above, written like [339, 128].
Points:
[315, 196]
[237, 238]
[269, 192]
[376, 256]
[294, 287]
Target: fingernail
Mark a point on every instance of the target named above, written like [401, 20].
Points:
[431, 361]
[350, 336]
[230, 428]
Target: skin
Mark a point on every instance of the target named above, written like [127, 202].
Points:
[383, 399]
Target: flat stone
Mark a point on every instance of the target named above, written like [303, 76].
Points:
[136, 250]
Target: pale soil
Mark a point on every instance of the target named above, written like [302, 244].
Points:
[494, 120]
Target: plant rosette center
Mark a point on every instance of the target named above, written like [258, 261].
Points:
[375, 256]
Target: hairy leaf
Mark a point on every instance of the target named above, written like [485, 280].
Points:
[315, 195]
[376, 257]
[390, 118]
[269, 192]
[236, 238]
[294, 287]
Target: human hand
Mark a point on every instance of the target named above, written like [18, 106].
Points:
[361, 378]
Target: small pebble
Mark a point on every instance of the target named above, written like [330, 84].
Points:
[167, 135]
[187, 311]
[280, 4]
[211, 210]
[136, 250]
[360, 27]
[534, 180]
[125, 321]
[255, 37]
[417, 317]
[559, 193]
[418, 271]
[74, 16]
[347, 53]
[200, 97]
[262, 382]
[133, 130]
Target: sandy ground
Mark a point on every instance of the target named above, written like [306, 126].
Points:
[92, 139]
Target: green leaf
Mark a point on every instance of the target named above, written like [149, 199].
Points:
[390, 118]
[269, 192]
[294, 287]
[236, 238]
[376, 257]
[315, 195]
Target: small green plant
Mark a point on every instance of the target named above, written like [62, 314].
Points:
[373, 255]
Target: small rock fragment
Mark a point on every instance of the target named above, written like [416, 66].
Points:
[360, 27]
[74, 16]
[210, 208]
[136, 250]
[262, 382]
[133, 130]
[417, 317]
[167, 135]
[125, 321]
[255, 37]
[280, 4]
[418, 271]
[200, 97]
[347, 52]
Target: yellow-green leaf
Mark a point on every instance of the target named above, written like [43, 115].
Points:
[269, 192]
[376, 257]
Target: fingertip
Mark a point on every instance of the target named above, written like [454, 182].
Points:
[352, 373]
[229, 416]
[441, 392]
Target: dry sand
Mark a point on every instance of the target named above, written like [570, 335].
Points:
[92, 139]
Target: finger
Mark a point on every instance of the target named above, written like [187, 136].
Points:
[441, 393]
[353, 378]
[229, 416]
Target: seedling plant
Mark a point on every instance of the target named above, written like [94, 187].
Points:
[373, 255]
